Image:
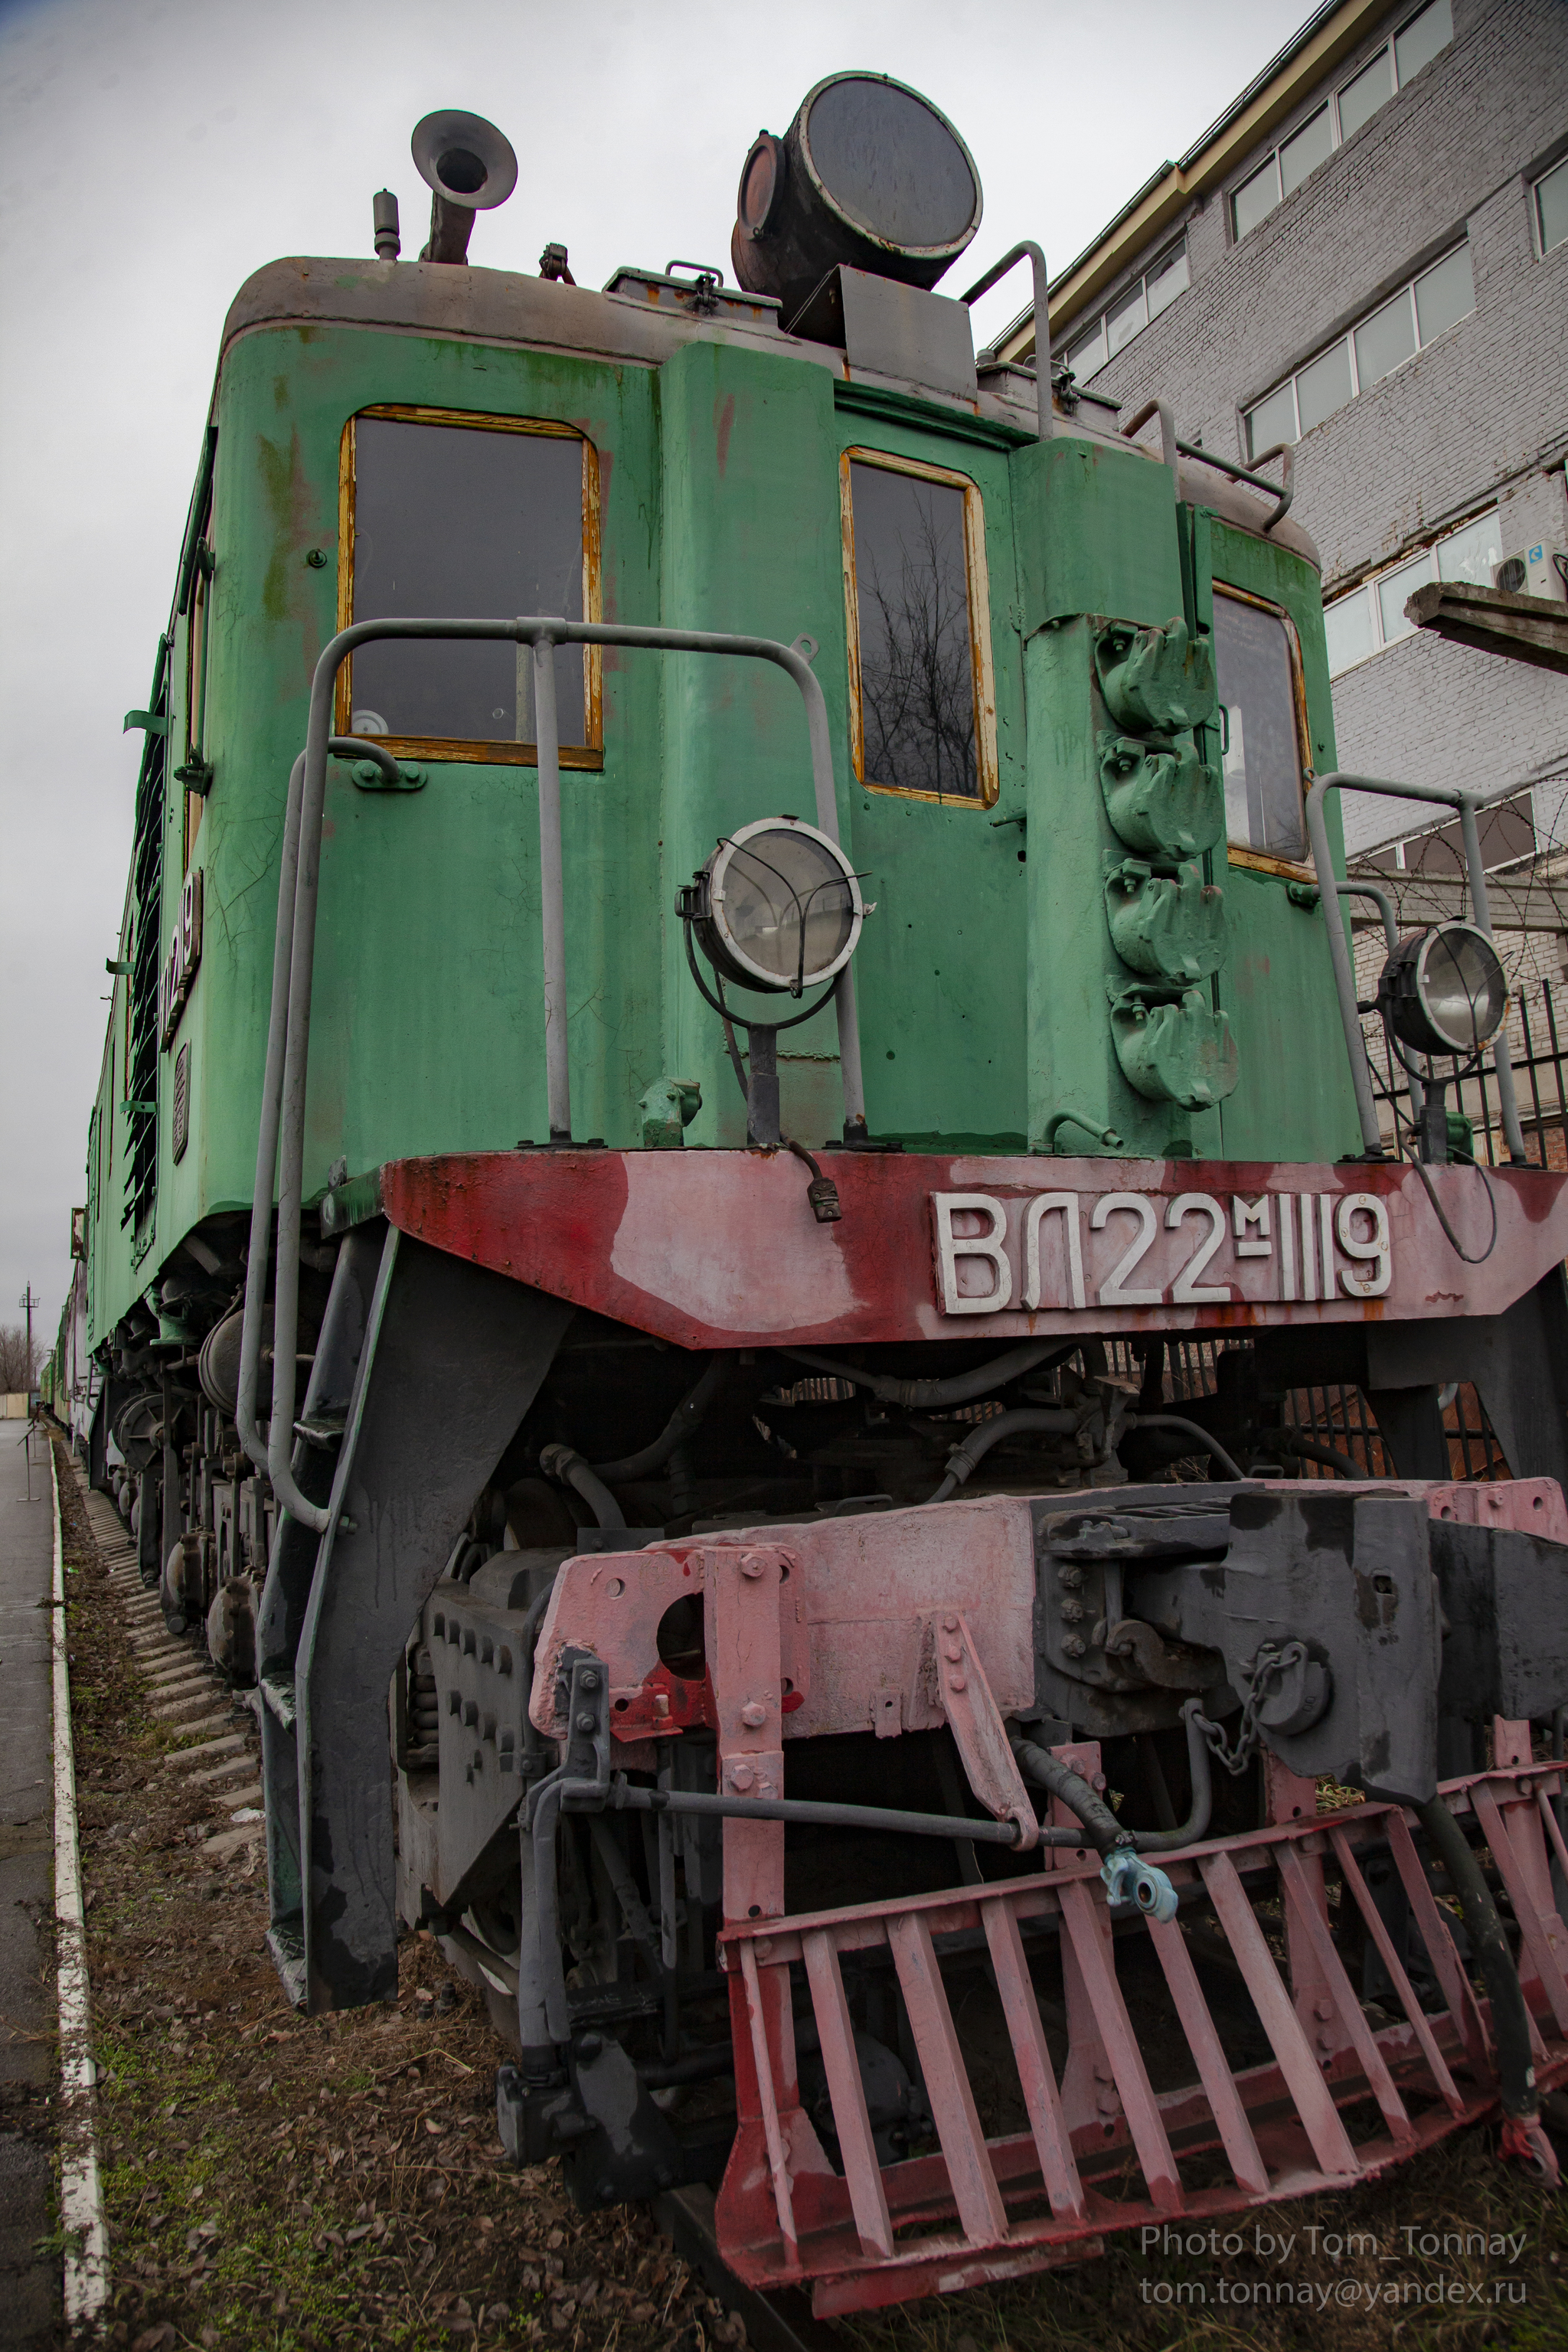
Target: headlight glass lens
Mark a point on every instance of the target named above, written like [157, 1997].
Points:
[784, 907]
[1445, 989]
[1460, 983]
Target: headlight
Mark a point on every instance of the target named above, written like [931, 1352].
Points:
[1445, 989]
[778, 907]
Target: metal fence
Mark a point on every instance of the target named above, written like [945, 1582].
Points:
[1337, 1415]
[1537, 1032]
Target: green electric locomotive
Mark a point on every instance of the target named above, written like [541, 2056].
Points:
[735, 928]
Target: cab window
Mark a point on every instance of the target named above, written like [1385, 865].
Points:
[922, 716]
[1258, 666]
[468, 518]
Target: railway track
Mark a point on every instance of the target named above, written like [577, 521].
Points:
[220, 1750]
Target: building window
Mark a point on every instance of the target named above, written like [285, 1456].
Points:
[1372, 615]
[1383, 340]
[1552, 207]
[1259, 664]
[1131, 313]
[1341, 115]
[922, 703]
[468, 516]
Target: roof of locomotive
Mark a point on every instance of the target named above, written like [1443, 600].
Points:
[645, 319]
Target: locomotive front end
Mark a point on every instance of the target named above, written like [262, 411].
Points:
[893, 1705]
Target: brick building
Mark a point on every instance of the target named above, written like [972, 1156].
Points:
[1366, 257]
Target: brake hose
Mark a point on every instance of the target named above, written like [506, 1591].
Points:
[1516, 2093]
[963, 1388]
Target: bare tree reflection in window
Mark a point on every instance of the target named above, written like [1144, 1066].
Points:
[917, 676]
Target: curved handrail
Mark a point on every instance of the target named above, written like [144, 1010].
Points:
[281, 1132]
[1026, 249]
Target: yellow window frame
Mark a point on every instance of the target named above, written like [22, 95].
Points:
[1291, 869]
[977, 582]
[476, 751]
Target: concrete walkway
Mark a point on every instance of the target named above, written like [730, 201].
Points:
[30, 2286]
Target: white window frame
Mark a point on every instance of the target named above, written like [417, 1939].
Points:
[1367, 590]
[1408, 291]
[1537, 223]
[1271, 161]
[1139, 288]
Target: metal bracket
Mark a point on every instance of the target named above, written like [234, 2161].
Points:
[965, 1697]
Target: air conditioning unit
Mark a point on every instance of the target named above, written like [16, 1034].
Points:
[1537, 571]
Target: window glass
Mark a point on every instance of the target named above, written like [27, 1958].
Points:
[461, 521]
[1385, 339]
[1422, 39]
[1323, 387]
[1272, 421]
[1124, 322]
[1446, 294]
[1084, 357]
[1472, 553]
[1392, 591]
[1552, 207]
[1256, 198]
[1166, 280]
[1303, 153]
[1263, 762]
[1359, 99]
[916, 664]
[1348, 627]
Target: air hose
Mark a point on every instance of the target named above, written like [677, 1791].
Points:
[963, 1388]
[1522, 2133]
[683, 1422]
[560, 1463]
[1128, 1877]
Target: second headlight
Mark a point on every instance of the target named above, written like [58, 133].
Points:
[777, 907]
[1445, 989]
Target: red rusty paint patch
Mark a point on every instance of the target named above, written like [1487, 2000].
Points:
[723, 426]
[719, 1249]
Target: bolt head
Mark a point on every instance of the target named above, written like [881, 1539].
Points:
[740, 1776]
[590, 1680]
[749, 1564]
[957, 1682]
[949, 1625]
[584, 1722]
[752, 1715]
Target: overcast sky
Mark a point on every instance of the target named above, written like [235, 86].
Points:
[153, 156]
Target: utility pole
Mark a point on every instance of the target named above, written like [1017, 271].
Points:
[29, 1302]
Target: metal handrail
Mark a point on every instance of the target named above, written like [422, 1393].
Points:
[1384, 904]
[1172, 447]
[1027, 249]
[1467, 803]
[281, 1132]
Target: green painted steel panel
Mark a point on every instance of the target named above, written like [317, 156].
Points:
[983, 974]
[1096, 534]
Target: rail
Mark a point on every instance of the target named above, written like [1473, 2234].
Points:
[281, 1133]
[1467, 803]
[1171, 448]
[1027, 250]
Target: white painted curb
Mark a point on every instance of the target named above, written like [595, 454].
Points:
[81, 2192]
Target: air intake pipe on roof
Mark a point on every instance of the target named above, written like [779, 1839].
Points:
[470, 167]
